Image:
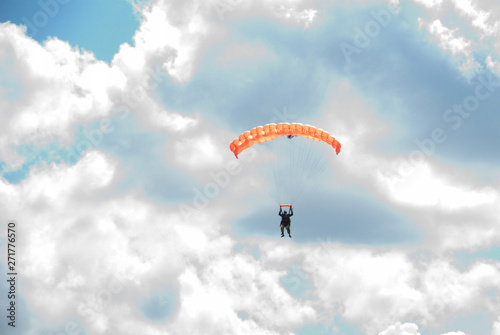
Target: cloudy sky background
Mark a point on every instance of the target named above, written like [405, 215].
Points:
[133, 217]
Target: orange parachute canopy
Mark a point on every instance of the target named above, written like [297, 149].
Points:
[271, 131]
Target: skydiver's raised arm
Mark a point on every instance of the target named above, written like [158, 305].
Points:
[280, 212]
[291, 211]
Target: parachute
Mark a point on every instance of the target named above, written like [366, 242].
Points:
[271, 131]
[288, 164]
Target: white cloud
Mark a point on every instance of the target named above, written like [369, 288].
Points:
[425, 184]
[447, 38]
[424, 187]
[60, 87]
[493, 65]
[171, 33]
[80, 242]
[304, 17]
[94, 254]
[175, 122]
[482, 19]
[215, 296]
[496, 327]
[455, 210]
[198, 152]
[376, 288]
[449, 291]
[430, 3]
[401, 329]
[369, 289]
[479, 17]
[467, 29]
[63, 86]
[70, 219]
[450, 204]
[450, 40]
[296, 12]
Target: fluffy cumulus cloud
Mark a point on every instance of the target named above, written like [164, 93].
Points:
[480, 13]
[101, 251]
[473, 18]
[171, 31]
[110, 253]
[54, 87]
[165, 257]
[81, 241]
[378, 289]
[429, 3]
[413, 182]
[447, 40]
[401, 329]
[496, 328]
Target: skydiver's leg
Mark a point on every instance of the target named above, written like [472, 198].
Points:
[282, 234]
[288, 230]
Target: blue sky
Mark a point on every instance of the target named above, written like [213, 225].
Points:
[115, 163]
[100, 27]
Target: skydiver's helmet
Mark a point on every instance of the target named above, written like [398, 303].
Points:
[284, 212]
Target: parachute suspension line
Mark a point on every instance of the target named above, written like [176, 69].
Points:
[290, 165]
[274, 190]
[313, 162]
[305, 159]
[284, 161]
[318, 166]
[296, 164]
[292, 181]
[285, 150]
[305, 162]
[277, 166]
[320, 163]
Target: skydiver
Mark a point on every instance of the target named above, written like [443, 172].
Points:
[285, 221]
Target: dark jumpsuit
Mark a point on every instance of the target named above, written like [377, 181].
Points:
[285, 221]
